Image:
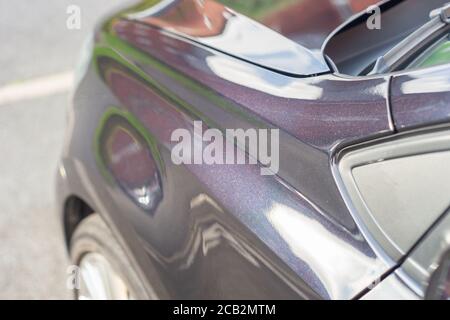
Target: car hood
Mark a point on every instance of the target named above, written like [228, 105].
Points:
[216, 26]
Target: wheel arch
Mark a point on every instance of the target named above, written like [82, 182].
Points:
[75, 210]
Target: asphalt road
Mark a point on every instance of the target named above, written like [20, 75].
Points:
[35, 43]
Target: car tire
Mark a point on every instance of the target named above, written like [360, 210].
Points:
[101, 261]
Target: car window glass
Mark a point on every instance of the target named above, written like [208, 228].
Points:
[438, 54]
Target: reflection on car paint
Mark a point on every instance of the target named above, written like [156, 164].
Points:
[128, 158]
[214, 25]
[222, 231]
[155, 108]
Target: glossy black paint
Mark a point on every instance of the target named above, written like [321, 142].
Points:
[220, 231]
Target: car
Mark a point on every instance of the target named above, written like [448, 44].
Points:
[352, 200]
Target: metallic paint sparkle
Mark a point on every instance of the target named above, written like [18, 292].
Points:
[225, 231]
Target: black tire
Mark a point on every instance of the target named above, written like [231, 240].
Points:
[92, 235]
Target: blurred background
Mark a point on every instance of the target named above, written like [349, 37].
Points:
[37, 58]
